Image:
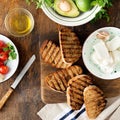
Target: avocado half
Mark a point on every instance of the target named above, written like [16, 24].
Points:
[72, 9]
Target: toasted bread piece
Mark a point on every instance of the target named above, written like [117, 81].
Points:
[70, 45]
[50, 53]
[75, 90]
[94, 101]
[58, 80]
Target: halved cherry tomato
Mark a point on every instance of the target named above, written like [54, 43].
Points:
[4, 69]
[1, 50]
[2, 44]
[3, 56]
[1, 63]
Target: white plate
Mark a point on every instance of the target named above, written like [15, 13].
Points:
[80, 20]
[88, 50]
[12, 64]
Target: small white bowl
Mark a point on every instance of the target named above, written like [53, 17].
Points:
[88, 50]
[67, 21]
[12, 64]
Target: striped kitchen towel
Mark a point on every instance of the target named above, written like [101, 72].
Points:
[61, 111]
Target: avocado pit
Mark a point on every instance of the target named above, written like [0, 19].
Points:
[65, 6]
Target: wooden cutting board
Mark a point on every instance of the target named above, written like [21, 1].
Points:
[110, 88]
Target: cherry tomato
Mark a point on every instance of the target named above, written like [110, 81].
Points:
[4, 69]
[1, 50]
[3, 56]
[2, 44]
[1, 63]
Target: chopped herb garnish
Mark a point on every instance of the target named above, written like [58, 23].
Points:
[12, 53]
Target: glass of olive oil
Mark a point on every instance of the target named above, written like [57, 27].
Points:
[19, 22]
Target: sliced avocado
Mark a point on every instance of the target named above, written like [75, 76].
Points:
[66, 8]
[83, 5]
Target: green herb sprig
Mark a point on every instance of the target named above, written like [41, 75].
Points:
[102, 14]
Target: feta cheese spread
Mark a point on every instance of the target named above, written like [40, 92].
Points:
[106, 54]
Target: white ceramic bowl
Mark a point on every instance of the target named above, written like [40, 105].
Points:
[80, 20]
[88, 50]
[12, 64]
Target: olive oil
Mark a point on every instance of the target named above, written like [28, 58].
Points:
[19, 22]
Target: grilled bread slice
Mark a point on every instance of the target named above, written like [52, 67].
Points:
[58, 80]
[75, 90]
[69, 45]
[50, 53]
[94, 101]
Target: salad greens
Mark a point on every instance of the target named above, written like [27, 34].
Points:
[105, 4]
[12, 53]
[38, 3]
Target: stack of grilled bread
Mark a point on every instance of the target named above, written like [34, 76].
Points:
[50, 53]
[59, 80]
[75, 89]
[78, 87]
[65, 55]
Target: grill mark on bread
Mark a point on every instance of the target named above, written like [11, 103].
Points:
[60, 82]
[57, 58]
[93, 104]
[45, 51]
[75, 89]
[65, 73]
[70, 73]
[76, 86]
[67, 50]
[43, 46]
[60, 62]
[77, 96]
[76, 68]
[54, 54]
[75, 105]
[68, 56]
[51, 54]
[50, 83]
[60, 78]
[78, 101]
[57, 86]
[75, 100]
[68, 46]
[70, 43]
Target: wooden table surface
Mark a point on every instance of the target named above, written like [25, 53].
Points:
[25, 102]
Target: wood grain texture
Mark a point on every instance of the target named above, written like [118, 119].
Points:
[111, 88]
[26, 101]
